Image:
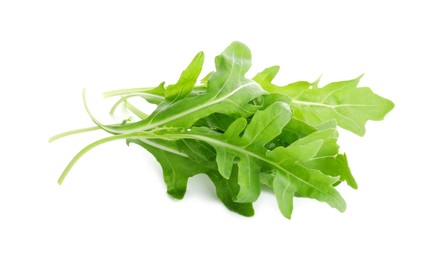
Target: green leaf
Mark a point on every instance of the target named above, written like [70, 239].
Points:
[294, 157]
[216, 121]
[245, 134]
[228, 92]
[335, 165]
[350, 106]
[266, 77]
[284, 191]
[176, 166]
[328, 160]
[183, 159]
[246, 144]
[187, 80]
[226, 190]
[204, 80]
[264, 126]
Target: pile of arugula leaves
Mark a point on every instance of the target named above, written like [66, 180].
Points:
[246, 133]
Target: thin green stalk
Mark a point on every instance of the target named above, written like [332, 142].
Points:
[73, 132]
[135, 110]
[129, 105]
[121, 92]
[99, 142]
[94, 119]
[108, 128]
[116, 105]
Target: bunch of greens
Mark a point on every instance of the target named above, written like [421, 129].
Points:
[246, 133]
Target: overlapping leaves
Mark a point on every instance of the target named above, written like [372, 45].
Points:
[351, 107]
[246, 133]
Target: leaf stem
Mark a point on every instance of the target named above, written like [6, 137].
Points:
[121, 92]
[135, 110]
[129, 105]
[97, 143]
[73, 132]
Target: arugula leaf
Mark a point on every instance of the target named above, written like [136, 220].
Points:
[328, 160]
[228, 92]
[284, 191]
[187, 80]
[248, 148]
[245, 133]
[264, 126]
[318, 185]
[351, 107]
[218, 122]
[226, 189]
[183, 159]
[176, 166]
[173, 92]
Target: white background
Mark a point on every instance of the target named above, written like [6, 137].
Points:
[113, 205]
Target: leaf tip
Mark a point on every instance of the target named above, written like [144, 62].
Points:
[360, 132]
[287, 215]
[199, 58]
[389, 106]
[275, 69]
[317, 81]
[177, 193]
[354, 185]
[341, 205]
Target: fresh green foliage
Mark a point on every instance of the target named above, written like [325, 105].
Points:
[185, 158]
[341, 101]
[245, 134]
